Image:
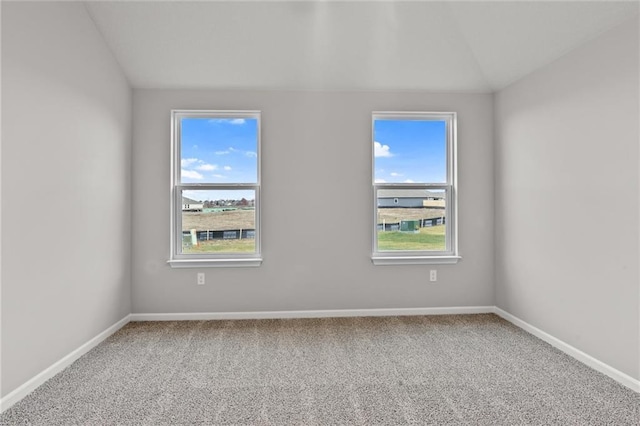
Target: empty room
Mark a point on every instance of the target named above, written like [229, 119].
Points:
[320, 212]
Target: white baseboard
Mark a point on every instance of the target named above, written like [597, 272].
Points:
[334, 313]
[31, 385]
[586, 359]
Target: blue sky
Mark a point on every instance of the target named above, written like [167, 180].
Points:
[410, 151]
[225, 151]
[219, 150]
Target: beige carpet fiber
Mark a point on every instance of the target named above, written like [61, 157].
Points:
[440, 370]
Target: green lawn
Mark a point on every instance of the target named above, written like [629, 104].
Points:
[429, 238]
[247, 245]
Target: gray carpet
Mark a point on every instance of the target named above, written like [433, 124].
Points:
[441, 370]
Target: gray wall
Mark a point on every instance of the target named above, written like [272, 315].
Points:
[316, 170]
[567, 199]
[66, 156]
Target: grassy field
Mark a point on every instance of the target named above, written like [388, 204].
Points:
[219, 221]
[390, 215]
[245, 219]
[222, 246]
[430, 238]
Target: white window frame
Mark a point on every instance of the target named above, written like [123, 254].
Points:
[408, 257]
[199, 260]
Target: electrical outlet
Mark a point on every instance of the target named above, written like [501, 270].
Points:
[200, 278]
[433, 275]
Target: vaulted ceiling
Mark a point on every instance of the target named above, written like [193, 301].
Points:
[474, 46]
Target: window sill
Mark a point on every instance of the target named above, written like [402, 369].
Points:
[415, 260]
[215, 263]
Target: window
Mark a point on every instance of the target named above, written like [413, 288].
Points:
[215, 183]
[414, 186]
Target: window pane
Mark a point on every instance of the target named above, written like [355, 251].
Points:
[219, 150]
[408, 151]
[411, 219]
[220, 221]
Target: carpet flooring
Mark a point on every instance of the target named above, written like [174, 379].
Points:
[422, 370]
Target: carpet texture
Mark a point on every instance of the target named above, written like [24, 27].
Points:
[440, 370]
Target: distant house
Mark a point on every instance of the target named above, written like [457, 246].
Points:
[189, 205]
[410, 198]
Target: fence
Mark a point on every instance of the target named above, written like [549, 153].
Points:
[229, 234]
[235, 234]
[424, 223]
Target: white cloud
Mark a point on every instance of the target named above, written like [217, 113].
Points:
[380, 150]
[409, 181]
[207, 167]
[220, 176]
[227, 168]
[197, 164]
[191, 174]
[380, 181]
[232, 150]
[226, 151]
[394, 174]
[227, 120]
[186, 162]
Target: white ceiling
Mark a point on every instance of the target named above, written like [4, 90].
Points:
[382, 45]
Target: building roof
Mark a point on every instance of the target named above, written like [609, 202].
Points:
[186, 200]
[409, 193]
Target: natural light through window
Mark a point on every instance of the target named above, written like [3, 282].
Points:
[216, 188]
[414, 185]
